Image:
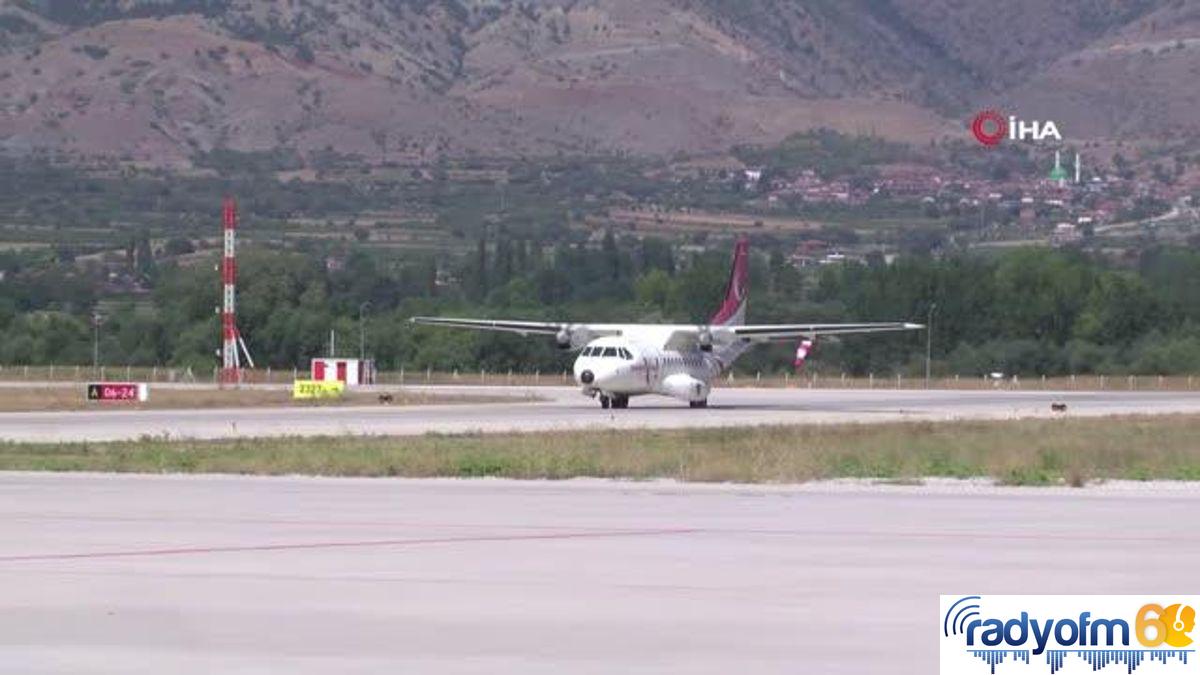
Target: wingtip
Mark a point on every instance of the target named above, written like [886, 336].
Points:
[914, 326]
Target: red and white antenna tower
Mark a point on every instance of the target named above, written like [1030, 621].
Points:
[231, 338]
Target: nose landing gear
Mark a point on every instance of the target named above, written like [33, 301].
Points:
[615, 402]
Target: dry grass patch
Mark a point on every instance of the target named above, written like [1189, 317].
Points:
[1021, 452]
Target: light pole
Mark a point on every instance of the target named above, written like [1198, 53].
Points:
[362, 333]
[97, 319]
[929, 342]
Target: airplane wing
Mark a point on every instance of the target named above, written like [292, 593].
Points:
[769, 332]
[578, 334]
[567, 335]
[519, 327]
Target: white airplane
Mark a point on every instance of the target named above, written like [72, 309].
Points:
[618, 361]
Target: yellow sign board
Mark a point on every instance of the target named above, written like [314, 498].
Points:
[309, 389]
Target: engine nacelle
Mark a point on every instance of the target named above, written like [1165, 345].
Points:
[572, 337]
[685, 387]
[704, 339]
[562, 339]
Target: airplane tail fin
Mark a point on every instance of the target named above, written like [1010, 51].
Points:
[733, 309]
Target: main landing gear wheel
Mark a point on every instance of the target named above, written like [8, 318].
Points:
[698, 404]
[614, 402]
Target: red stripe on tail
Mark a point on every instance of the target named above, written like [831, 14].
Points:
[733, 310]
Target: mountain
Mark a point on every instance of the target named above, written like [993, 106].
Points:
[164, 81]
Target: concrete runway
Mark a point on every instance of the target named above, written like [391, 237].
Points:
[143, 574]
[564, 409]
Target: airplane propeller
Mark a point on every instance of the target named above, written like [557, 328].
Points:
[562, 339]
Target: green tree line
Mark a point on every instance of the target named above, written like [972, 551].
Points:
[1029, 311]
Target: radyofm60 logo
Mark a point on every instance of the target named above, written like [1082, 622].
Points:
[1068, 633]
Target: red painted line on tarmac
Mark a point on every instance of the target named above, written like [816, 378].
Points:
[200, 550]
[956, 535]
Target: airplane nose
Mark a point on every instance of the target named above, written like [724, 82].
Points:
[587, 377]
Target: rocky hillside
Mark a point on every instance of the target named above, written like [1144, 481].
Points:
[164, 81]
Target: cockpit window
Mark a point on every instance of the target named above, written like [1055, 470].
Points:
[610, 351]
[587, 351]
[625, 354]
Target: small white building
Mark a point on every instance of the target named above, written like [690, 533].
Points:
[352, 372]
[1064, 233]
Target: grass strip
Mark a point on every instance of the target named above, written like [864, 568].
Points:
[71, 398]
[1071, 451]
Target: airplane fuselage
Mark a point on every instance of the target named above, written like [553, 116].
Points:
[617, 368]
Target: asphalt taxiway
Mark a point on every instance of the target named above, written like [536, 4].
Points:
[563, 408]
[154, 574]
